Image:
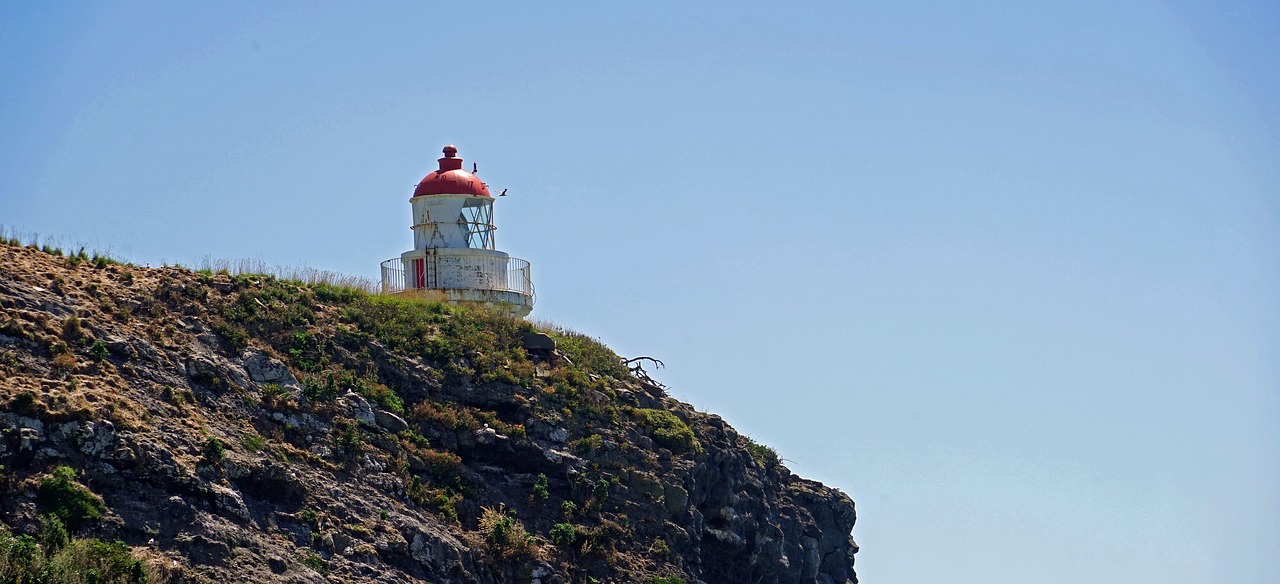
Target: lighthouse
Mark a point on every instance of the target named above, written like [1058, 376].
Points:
[454, 245]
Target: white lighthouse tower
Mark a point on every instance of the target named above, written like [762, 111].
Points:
[454, 247]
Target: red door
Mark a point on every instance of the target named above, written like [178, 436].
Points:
[419, 274]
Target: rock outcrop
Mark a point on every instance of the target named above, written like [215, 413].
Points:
[246, 429]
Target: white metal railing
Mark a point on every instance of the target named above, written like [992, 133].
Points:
[392, 276]
[499, 274]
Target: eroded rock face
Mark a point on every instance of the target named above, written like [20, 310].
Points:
[211, 457]
[263, 368]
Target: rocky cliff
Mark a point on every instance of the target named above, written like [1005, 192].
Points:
[248, 429]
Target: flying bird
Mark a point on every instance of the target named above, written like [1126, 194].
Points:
[503, 193]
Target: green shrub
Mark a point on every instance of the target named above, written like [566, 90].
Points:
[443, 499]
[665, 580]
[320, 390]
[110, 560]
[765, 455]
[308, 352]
[563, 534]
[356, 528]
[348, 437]
[668, 430]
[600, 491]
[62, 497]
[53, 533]
[331, 384]
[505, 533]
[77, 561]
[383, 396]
[99, 351]
[540, 487]
[213, 451]
[233, 335]
[21, 559]
[315, 562]
[587, 443]
[411, 438]
[253, 442]
[365, 385]
[9, 360]
[273, 394]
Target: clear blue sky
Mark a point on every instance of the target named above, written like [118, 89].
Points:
[1008, 273]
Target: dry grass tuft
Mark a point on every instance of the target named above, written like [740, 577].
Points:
[505, 534]
[305, 274]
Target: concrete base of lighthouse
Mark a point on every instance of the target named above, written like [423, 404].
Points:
[464, 276]
[512, 303]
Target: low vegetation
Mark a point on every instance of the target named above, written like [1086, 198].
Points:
[24, 560]
[563, 534]
[505, 534]
[764, 454]
[214, 451]
[315, 562]
[62, 497]
[668, 430]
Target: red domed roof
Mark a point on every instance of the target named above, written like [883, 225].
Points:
[451, 179]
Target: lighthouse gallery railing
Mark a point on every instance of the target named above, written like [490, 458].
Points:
[518, 278]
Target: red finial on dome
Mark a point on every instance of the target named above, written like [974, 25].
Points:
[450, 160]
[451, 179]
